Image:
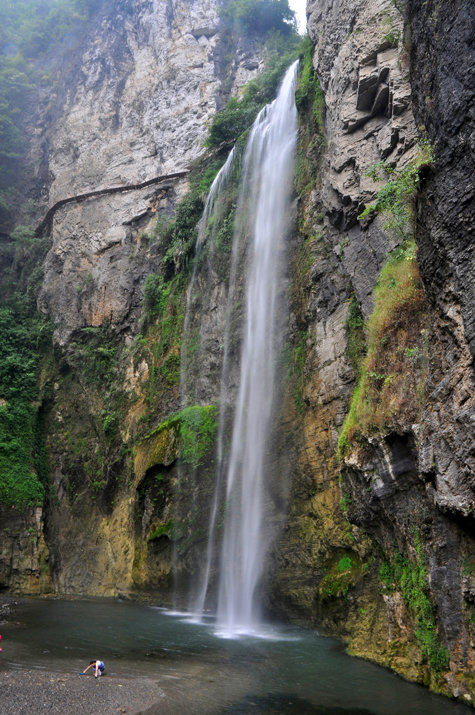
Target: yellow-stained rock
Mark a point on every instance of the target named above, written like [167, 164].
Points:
[161, 447]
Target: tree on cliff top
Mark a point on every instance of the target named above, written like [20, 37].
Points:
[259, 17]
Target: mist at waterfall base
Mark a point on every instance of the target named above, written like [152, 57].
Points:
[294, 671]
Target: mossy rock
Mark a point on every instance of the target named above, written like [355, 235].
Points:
[341, 576]
[161, 447]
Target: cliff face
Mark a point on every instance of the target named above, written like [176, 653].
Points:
[399, 504]
[134, 106]
[109, 156]
[377, 514]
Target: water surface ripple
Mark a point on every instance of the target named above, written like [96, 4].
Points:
[292, 670]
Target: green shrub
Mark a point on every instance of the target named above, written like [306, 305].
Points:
[395, 199]
[19, 485]
[94, 354]
[178, 240]
[258, 17]
[310, 103]
[160, 346]
[198, 425]
[155, 295]
[308, 95]
[23, 465]
[110, 424]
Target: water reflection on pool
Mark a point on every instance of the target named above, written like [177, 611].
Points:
[283, 669]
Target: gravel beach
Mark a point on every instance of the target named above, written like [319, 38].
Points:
[31, 692]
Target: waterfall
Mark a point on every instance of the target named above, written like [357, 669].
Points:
[197, 347]
[207, 227]
[262, 222]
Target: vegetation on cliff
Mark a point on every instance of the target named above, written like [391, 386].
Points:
[239, 113]
[24, 335]
[396, 198]
[392, 374]
[399, 573]
[391, 377]
[258, 17]
[28, 30]
[196, 427]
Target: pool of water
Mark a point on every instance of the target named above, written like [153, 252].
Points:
[284, 669]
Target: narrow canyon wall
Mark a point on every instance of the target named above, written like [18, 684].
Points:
[375, 538]
[110, 148]
[398, 503]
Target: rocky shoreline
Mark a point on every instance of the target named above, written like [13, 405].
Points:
[33, 691]
[30, 692]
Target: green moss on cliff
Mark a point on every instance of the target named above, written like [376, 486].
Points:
[399, 573]
[197, 431]
[188, 434]
[168, 529]
[24, 337]
[340, 577]
[391, 386]
[93, 354]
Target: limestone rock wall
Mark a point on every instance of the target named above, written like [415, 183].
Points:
[410, 489]
[135, 105]
[109, 153]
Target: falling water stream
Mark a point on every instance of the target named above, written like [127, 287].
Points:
[266, 180]
[247, 309]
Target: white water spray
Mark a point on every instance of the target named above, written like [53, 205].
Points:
[264, 214]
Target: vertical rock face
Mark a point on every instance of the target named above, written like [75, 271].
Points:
[364, 72]
[135, 105]
[442, 84]
[110, 154]
[407, 492]
[138, 99]
[24, 555]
